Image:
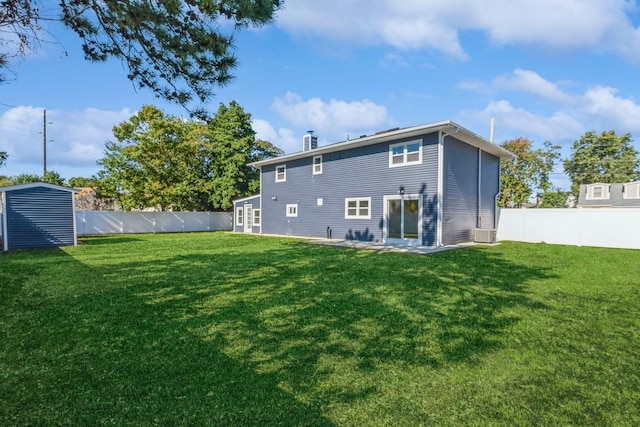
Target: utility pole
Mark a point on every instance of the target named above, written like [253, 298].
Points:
[44, 133]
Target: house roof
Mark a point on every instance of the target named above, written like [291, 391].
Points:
[447, 126]
[37, 184]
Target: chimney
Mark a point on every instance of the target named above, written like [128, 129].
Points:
[309, 141]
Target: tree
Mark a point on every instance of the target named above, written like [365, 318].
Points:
[177, 48]
[3, 158]
[51, 177]
[606, 158]
[78, 181]
[233, 145]
[519, 177]
[170, 163]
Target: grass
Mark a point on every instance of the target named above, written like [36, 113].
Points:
[221, 329]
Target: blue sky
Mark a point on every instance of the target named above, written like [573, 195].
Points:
[547, 70]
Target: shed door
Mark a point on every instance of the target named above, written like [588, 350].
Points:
[248, 218]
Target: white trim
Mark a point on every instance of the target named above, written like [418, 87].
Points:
[631, 185]
[440, 191]
[244, 199]
[394, 135]
[289, 212]
[248, 218]
[590, 189]
[313, 165]
[284, 179]
[405, 153]
[75, 231]
[357, 200]
[38, 184]
[385, 219]
[240, 216]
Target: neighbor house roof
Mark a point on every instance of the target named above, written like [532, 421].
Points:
[37, 184]
[447, 126]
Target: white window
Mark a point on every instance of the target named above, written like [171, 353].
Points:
[405, 153]
[281, 173]
[256, 217]
[317, 165]
[292, 210]
[598, 192]
[357, 208]
[319, 201]
[239, 216]
[632, 190]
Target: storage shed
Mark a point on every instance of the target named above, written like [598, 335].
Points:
[38, 215]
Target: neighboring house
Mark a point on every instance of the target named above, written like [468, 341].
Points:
[600, 195]
[428, 185]
[37, 215]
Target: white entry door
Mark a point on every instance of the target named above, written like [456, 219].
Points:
[248, 218]
[402, 219]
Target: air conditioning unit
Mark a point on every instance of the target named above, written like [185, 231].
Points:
[485, 235]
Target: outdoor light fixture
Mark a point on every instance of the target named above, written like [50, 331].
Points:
[401, 190]
[274, 198]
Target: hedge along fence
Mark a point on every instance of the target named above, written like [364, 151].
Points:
[118, 222]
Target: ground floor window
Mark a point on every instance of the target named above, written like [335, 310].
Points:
[256, 217]
[292, 210]
[357, 208]
[239, 216]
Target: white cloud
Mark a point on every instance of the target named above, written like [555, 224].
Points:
[565, 117]
[332, 120]
[597, 25]
[531, 82]
[75, 139]
[282, 138]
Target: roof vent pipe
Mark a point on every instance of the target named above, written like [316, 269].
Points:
[492, 126]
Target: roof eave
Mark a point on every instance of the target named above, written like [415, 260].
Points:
[447, 126]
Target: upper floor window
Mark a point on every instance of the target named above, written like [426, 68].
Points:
[281, 173]
[632, 190]
[597, 192]
[317, 164]
[405, 153]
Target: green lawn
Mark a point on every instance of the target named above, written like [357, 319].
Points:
[222, 329]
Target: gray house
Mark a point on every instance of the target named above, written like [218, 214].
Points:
[428, 185]
[599, 195]
[37, 215]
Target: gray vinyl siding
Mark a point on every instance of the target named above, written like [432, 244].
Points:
[254, 201]
[353, 173]
[460, 191]
[39, 217]
[489, 188]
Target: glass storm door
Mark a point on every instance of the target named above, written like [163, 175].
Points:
[248, 218]
[403, 219]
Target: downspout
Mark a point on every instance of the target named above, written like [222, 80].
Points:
[261, 205]
[496, 210]
[440, 188]
[479, 207]
[5, 238]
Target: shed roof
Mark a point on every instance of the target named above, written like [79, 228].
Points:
[37, 184]
[447, 126]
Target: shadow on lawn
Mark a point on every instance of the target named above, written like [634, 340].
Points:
[320, 319]
[261, 337]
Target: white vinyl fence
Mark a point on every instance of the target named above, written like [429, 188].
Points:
[111, 222]
[607, 227]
